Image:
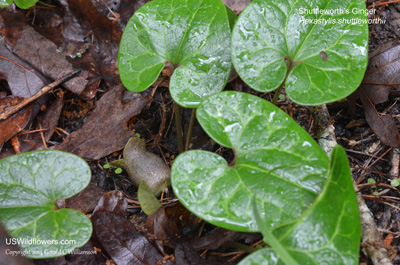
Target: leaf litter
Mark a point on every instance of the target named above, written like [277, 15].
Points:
[382, 79]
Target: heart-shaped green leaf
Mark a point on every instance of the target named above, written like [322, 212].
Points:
[276, 160]
[327, 233]
[192, 36]
[277, 42]
[30, 184]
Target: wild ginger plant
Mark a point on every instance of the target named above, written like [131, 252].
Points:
[280, 182]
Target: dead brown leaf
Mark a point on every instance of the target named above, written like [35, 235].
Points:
[381, 77]
[105, 20]
[15, 123]
[21, 79]
[114, 202]
[122, 242]
[105, 130]
[164, 226]
[383, 125]
[383, 68]
[50, 118]
[86, 200]
[42, 54]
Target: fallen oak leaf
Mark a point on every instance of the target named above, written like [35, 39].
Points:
[383, 125]
[113, 202]
[122, 242]
[105, 130]
[86, 200]
[381, 77]
[42, 54]
[164, 226]
[22, 81]
[383, 68]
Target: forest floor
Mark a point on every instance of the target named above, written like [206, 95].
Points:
[97, 124]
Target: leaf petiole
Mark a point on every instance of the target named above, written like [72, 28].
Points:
[270, 239]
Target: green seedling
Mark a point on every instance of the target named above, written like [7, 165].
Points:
[23, 4]
[395, 182]
[118, 170]
[278, 44]
[373, 187]
[191, 38]
[371, 180]
[278, 166]
[148, 202]
[106, 166]
[30, 184]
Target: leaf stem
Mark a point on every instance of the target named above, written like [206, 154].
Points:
[290, 65]
[178, 124]
[271, 240]
[190, 130]
[277, 93]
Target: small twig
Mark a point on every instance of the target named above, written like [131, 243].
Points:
[62, 130]
[383, 3]
[42, 136]
[163, 191]
[363, 153]
[241, 253]
[109, 9]
[395, 161]
[33, 131]
[361, 177]
[40, 93]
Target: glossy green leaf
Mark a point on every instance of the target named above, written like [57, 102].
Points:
[276, 161]
[232, 17]
[192, 36]
[326, 61]
[25, 4]
[330, 231]
[30, 184]
[148, 202]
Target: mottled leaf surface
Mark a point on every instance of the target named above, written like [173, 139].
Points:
[330, 231]
[192, 36]
[276, 161]
[30, 183]
[268, 32]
